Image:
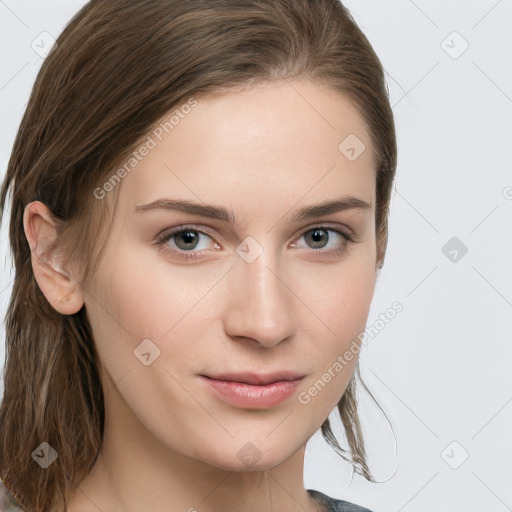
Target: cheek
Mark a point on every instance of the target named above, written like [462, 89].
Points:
[341, 296]
[341, 300]
[144, 298]
[147, 297]
[351, 302]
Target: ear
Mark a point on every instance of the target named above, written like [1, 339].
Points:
[61, 290]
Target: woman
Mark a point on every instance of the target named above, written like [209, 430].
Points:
[200, 192]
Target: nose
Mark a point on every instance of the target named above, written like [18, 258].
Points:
[260, 303]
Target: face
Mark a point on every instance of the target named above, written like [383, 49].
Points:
[185, 303]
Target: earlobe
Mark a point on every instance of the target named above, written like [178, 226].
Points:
[61, 290]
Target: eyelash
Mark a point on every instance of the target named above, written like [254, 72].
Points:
[163, 239]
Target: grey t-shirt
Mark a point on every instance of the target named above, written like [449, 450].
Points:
[7, 501]
[9, 504]
[334, 505]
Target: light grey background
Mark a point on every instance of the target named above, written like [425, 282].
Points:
[440, 369]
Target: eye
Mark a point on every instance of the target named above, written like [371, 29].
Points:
[189, 242]
[184, 239]
[319, 237]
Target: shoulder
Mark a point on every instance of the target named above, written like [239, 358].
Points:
[7, 501]
[335, 505]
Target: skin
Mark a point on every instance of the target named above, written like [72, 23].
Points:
[170, 443]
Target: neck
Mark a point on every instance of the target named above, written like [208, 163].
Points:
[135, 471]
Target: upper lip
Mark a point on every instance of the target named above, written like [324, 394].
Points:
[257, 379]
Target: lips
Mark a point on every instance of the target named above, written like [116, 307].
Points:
[250, 390]
[256, 379]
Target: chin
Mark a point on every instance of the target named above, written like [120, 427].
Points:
[242, 457]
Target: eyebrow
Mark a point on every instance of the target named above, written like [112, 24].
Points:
[221, 213]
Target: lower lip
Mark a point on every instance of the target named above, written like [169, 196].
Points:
[252, 397]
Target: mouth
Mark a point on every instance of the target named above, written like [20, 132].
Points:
[253, 391]
[256, 379]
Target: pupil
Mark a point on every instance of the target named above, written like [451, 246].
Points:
[317, 235]
[188, 236]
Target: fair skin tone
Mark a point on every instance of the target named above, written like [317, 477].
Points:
[170, 443]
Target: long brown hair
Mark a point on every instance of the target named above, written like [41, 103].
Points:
[117, 68]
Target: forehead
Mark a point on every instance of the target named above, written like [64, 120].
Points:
[274, 143]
